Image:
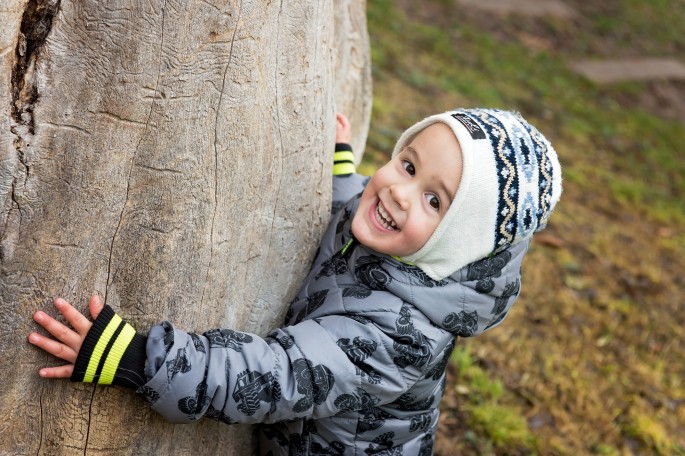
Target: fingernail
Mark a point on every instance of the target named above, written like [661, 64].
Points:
[43, 373]
[33, 337]
[38, 316]
[59, 302]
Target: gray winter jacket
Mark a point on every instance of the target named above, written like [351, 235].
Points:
[359, 365]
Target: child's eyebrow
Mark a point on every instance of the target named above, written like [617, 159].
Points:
[441, 183]
[414, 154]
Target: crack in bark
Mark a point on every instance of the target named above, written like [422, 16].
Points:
[277, 192]
[216, 151]
[36, 24]
[90, 418]
[110, 279]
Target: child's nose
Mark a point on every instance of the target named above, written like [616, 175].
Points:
[400, 194]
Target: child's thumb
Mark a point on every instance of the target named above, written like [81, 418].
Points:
[95, 305]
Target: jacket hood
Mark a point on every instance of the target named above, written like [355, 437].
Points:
[470, 301]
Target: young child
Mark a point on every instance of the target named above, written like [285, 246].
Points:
[430, 250]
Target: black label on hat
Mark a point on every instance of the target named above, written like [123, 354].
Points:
[472, 127]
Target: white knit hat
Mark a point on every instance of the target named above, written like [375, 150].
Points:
[510, 183]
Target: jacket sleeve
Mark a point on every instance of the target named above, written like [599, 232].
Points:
[346, 183]
[316, 368]
[313, 369]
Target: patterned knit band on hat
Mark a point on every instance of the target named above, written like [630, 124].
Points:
[511, 181]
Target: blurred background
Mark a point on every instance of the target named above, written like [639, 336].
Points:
[591, 358]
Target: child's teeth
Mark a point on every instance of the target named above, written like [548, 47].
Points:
[384, 218]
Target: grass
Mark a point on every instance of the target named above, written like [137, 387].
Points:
[588, 361]
[493, 422]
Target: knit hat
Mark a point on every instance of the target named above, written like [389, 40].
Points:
[510, 183]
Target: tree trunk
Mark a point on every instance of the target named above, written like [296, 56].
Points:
[175, 157]
[353, 69]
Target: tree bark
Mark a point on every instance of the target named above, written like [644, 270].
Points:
[174, 156]
[353, 69]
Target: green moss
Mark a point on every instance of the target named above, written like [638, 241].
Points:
[489, 419]
[605, 450]
[650, 432]
[504, 426]
[473, 380]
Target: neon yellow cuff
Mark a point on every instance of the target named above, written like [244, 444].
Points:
[343, 163]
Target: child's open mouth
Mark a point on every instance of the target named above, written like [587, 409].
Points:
[384, 218]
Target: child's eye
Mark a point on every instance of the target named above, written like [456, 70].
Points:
[408, 167]
[433, 201]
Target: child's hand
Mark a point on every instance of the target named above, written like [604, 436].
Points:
[343, 130]
[68, 341]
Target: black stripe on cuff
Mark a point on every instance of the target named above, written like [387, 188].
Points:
[83, 358]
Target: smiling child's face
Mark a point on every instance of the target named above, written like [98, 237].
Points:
[406, 199]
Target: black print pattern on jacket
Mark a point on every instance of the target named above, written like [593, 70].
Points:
[410, 344]
[218, 415]
[252, 387]
[168, 336]
[355, 291]
[360, 319]
[148, 393]
[383, 446]
[408, 403]
[370, 273]
[302, 444]
[180, 363]
[228, 338]
[298, 443]
[358, 349]
[371, 376]
[372, 420]
[193, 405]
[486, 269]
[511, 289]
[420, 422]
[335, 265]
[463, 324]
[426, 445]
[437, 370]
[314, 382]
[419, 278]
[316, 300]
[313, 302]
[343, 220]
[286, 342]
[336, 449]
[197, 342]
[359, 400]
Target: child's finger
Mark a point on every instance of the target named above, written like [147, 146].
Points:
[57, 329]
[342, 120]
[80, 323]
[57, 372]
[53, 347]
[343, 131]
[95, 306]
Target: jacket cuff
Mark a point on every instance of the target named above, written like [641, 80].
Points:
[343, 160]
[111, 354]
